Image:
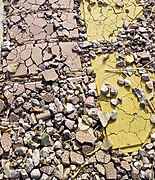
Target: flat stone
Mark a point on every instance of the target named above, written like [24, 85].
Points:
[36, 157]
[21, 71]
[69, 124]
[86, 149]
[143, 55]
[104, 89]
[47, 169]
[125, 165]
[90, 102]
[76, 158]
[48, 97]
[45, 140]
[106, 145]
[6, 142]
[102, 156]
[44, 115]
[85, 136]
[100, 169]
[65, 158]
[59, 171]
[110, 171]
[104, 117]
[50, 75]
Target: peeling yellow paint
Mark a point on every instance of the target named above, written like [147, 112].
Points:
[103, 21]
[132, 126]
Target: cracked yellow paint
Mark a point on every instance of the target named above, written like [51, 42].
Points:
[103, 21]
[132, 126]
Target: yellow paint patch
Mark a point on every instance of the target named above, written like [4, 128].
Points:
[132, 126]
[103, 21]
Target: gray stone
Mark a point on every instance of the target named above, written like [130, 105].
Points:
[15, 174]
[113, 91]
[127, 83]
[69, 124]
[35, 174]
[45, 140]
[149, 85]
[23, 173]
[104, 117]
[59, 171]
[152, 118]
[114, 102]
[36, 157]
[145, 77]
[21, 151]
[114, 115]
[104, 89]
[120, 81]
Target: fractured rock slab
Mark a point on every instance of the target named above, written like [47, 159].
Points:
[41, 26]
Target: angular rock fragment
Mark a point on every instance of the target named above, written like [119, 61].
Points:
[85, 137]
[104, 117]
[45, 115]
[113, 115]
[76, 158]
[86, 149]
[152, 118]
[65, 158]
[6, 142]
[114, 102]
[110, 171]
[102, 157]
[125, 165]
[119, 3]
[50, 75]
[145, 77]
[100, 169]
[104, 89]
[120, 81]
[113, 91]
[149, 85]
[127, 83]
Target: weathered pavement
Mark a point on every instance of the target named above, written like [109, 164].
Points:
[50, 120]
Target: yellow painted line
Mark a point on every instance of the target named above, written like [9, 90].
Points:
[132, 126]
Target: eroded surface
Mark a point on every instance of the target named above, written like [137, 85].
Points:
[103, 22]
[41, 26]
[28, 60]
[132, 125]
[35, 5]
